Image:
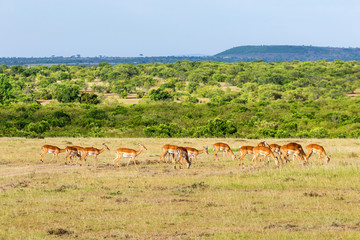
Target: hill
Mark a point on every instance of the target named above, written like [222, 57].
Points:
[290, 53]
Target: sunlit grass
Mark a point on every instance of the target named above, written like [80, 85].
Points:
[211, 200]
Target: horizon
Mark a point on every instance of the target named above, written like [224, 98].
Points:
[181, 55]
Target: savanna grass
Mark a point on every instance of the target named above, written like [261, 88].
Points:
[211, 200]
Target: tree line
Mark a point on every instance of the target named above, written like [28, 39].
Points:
[183, 99]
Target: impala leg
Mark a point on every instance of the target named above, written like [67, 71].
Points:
[57, 157]
[42, 156]
[162, 156]
[215, 153]
[135, 163]
[52, 158]
[309, 155]
[241, 158]
[117, 161]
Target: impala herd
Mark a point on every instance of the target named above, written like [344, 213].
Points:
[179, 154]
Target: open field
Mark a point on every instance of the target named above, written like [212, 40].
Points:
[211, 200]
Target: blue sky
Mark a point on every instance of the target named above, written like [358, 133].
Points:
[127, 28]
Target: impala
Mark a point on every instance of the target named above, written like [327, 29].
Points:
[192, 152]
[128, 153]
[317, 149]
[92, 151]
[244, 150]
[225, 149]
[265, 151]
[168, 149]
[51, 149]
[275, 148]
[263, 144]
[72, 151]
[182, 153]
[293, 149]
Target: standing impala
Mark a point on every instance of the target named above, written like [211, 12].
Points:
[244, 150]
[317, 149]
[225, 149]
[51, 149]
[265, 151]
[192, 152]
[168, 149]
[292, 149]
[128, 153]
[92, 151]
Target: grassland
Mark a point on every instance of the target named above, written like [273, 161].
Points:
[211, 200]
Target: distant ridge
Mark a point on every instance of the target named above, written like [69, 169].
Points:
[271, 53]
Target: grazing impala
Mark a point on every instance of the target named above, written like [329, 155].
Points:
[128, 153]
[92, 151]
[265, 151]
[263, 144]
[317, 149]
[244, 150]
[168, 149]
[192, 152]
[225, 149]
[182, 153]
[275, 148]
[51, 149]
[292, 149]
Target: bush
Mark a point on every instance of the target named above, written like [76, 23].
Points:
[319, 132]
[38, 127]
[89, 98]
[160, 95]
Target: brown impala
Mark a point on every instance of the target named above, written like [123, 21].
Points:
[317, 149]
[244, 150]
[193, 152]
[225, 149]
[293, 149]
[128, 153]
[51, 149]
[92, 151]
[265, 151]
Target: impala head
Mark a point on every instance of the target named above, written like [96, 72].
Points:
[206, 149]
[107, 148]
[327, 159]
[142, 146]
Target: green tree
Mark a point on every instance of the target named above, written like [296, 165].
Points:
[159, 95]
[67, 93]
[6, 89]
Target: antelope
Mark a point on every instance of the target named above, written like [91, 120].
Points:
[225, 148]
[244, 150]
[265, 151]
[51, 149]
[182, 153]
[317, 149]
[92, 151]
[192, 152]
[128, 153]
[263, 144]
[293, 149]
[275, 148]
[71, 152]
[168, 149]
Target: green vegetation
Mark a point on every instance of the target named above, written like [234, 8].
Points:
[270, 53]
[183, 99]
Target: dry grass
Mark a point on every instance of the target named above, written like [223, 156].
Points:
[211, 200]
